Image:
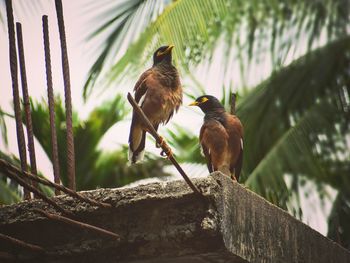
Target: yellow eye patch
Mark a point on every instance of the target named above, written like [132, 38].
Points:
[167, 50]
[204, 100]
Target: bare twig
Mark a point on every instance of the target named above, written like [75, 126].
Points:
[55, 160]
[26, 102]
[21, 243]
[20, 181]
[68, 98]
[162, 143]
[6, 167]
[77, 223]
[14, 76]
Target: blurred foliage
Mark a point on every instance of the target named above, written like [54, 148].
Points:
[94, 167]
[123, 20]
[3, 128]
[10, 191]
[248, 30]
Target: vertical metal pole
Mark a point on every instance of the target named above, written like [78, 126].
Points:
[14, 73]
[233, 103]
[26, 102]
[55, 160]
[68, 98]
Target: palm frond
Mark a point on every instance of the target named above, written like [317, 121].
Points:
[186, 144]
[296, 123]
[3, 128]
[248, 28]
[118, 24]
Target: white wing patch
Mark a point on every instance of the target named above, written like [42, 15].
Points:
[139, 157]
[142, 99]
[241, 143]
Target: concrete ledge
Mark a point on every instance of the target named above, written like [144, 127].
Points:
[165, 222]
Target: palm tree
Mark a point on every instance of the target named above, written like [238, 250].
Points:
[297, 120]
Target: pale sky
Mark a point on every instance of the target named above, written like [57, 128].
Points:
[79, 64]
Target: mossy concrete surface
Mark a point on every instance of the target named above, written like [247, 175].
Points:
[166, 222]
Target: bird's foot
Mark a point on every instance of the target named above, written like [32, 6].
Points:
[166, 152]
[233, 178]
[161, 142]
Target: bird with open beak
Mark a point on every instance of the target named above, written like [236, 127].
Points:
[159, 94]
[221, 137]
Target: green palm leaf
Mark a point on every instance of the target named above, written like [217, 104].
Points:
[123, 20]
[246, 27]
[296, 123]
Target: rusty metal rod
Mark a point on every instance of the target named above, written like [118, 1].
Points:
[30, 188]
[26, 103]
[77, 223]
[68, 98]
[21, 243]
[6, 167]
[51, 100]
[16, 100]
[162, 143]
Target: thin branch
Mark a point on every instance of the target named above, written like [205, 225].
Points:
[77, 224]
[7, 167]
[30, 188]
[162, 143]
[21, 243]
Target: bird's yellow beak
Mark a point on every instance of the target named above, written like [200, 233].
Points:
[195, 103]
[168, 50]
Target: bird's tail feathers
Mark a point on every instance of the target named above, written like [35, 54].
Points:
[137, 142]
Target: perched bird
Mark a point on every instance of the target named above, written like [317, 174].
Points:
[159, 93]
[221, 137]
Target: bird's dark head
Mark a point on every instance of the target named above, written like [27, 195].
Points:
[208, 103]
[162, 54]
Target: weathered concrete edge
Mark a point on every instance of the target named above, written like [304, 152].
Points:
[259, 231]
[251, 227]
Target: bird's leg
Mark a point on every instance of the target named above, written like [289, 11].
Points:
[233, 177]
[156, 128]
[167, 152]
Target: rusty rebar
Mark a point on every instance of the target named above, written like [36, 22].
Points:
[68, 97]
[26, 102]
[77, 224]
[16, 100]
[233, 103]
[21, 243]
[30, 188]
[51, 101]
[6, 167]
[162, 143]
